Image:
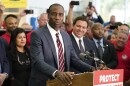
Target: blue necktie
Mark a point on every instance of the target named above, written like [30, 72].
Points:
[100, 50]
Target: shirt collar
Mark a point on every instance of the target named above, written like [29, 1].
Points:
[76, 38]
[52, 30]
[95, 40]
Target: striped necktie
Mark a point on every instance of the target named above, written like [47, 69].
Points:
[60, 54]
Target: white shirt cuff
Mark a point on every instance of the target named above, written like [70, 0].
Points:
[54, 73]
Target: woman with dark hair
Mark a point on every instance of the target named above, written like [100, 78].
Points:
[19, 56]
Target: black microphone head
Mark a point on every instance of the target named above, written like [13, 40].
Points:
[82, 56]
[90, 53]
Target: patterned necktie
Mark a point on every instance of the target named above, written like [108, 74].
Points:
[81, 47]
[100, 50]
[60, 54]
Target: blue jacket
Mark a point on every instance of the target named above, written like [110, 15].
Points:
[3, 59]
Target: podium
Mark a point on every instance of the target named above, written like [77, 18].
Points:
[97, 78]
[83, 79]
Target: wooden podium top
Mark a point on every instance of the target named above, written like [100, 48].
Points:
[83, 79]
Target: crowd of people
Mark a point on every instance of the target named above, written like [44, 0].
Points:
[53, 50]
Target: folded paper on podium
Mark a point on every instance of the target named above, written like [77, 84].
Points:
[83, 79]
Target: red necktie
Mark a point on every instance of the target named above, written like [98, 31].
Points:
[60, 54]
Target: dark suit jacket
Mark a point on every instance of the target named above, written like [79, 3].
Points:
[88, 47]
[44, 58]
[109, 55]
[3, 59]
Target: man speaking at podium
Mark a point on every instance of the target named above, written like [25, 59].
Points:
[52, 52]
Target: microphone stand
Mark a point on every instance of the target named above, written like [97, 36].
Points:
[96, 64]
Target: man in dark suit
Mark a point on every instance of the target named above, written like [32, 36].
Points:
[4, 65]
[79, 41]
[52, 52]
[104, 49]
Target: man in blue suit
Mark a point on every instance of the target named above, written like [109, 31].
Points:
[52, 52]
[80, 42]
[4, 65]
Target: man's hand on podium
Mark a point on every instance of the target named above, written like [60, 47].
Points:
[93, 69]
[65, 77]
[103, 67]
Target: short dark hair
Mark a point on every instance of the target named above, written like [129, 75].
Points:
[56, 4]
[80, 18]
[126, 25]
[10, 15]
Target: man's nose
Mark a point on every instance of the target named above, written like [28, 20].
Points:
[57, 16]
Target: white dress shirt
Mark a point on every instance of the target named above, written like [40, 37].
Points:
[77, 41]
[53, 35]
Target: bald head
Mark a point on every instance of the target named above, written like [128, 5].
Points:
[43, 19]
[97, 31]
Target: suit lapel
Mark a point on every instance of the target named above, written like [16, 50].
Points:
[95, 47]
[1, 51]
[75, 45]
[50, 42]
[105, 48]
[86, 44]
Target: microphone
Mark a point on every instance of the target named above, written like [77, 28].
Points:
[84, 56]
[87, 55]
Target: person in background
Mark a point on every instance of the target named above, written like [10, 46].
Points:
[26, 26]
[11, 23]
[19, 16]
[104, 49]
[89, 15]
[110, 29]
[89, 32]
[52, 51]
[19, 58]
[111, 22]
[69, 19]
[42, 21]
[124, 27]
[4, 64]
[110, 25]
[123, 53]
[1, 14]
[112, 37]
